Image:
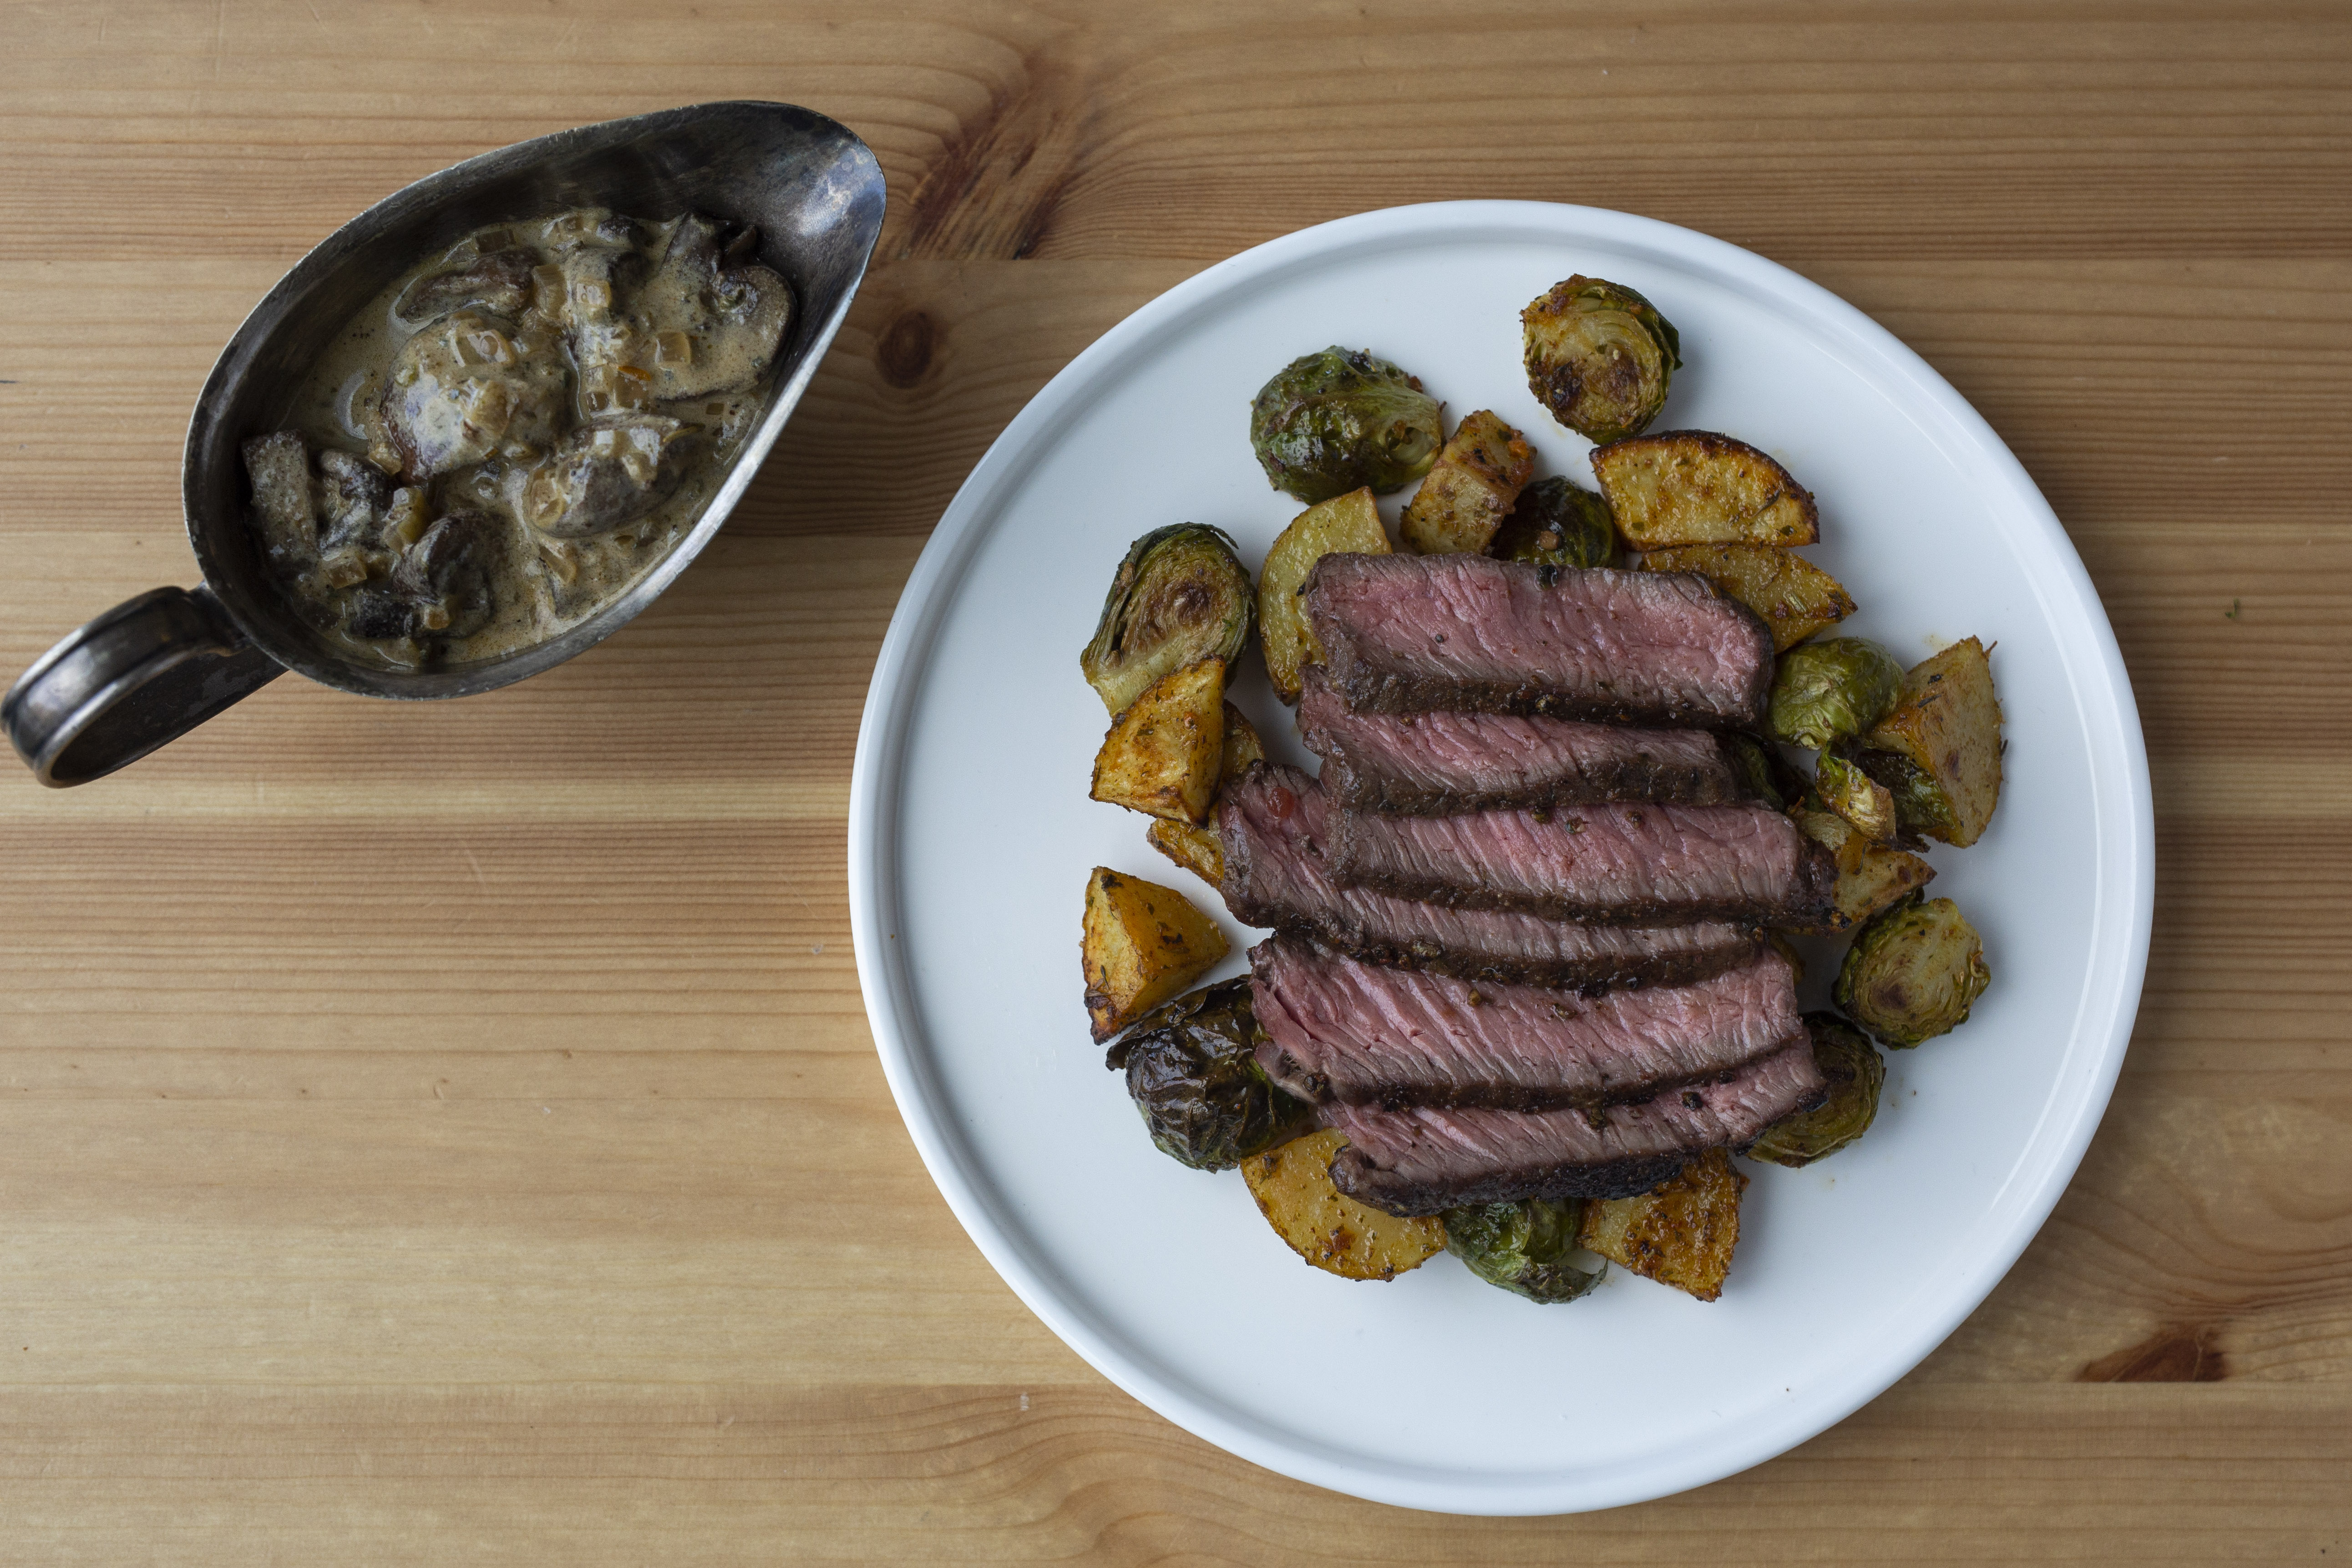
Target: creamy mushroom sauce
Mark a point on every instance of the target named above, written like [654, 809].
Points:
[514, 431]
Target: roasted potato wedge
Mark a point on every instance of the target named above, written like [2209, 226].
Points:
[1939, 751]
[1479, 474]
[1855, 795]
[1681, 1234]
[1696, 487]
[1197, 849]
[1331, 1231]
[1344, 525]
[1242, 746]
[1870, 877]
[1793, 597]
[1141, 945]
[1162, 754]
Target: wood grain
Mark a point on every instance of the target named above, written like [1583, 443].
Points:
[450, 1133]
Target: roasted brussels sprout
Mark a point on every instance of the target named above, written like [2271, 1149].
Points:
[1761, 773]
[1856, 1075]
[1939, 751]
[1824, 692]
[1856, 795]
[1338, 420]
[1191, 1069]
[1556, 523]
[1913, 973]
[1180, 596]
[1600, 356]
[1522, 1247]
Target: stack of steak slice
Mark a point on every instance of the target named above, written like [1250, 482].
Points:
[1519, 950]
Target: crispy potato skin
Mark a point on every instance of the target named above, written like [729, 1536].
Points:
[1344, 525]
[1681, 1234]
[1331, 1231]
[1197, 849]
[1947, 725]
[1697, 487]
[1790, 594]
[1478, 475]
[1141, 944]
[1870, 877]
[1161, 755]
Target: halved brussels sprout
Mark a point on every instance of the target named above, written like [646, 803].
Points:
[1522, 1247]
[1558, 524]
[1855, 1074]
[1600, 356]
[1856, 795]
[1341, 420]
[1180, 596]
[1824, 692]
[1193, 1070]
[1913, 973]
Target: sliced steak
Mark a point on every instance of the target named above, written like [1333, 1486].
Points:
[1404, 633]
[1423, 1160]
[1616, 864]
[1437, 764]
[1272, 823]
[1340, 1030]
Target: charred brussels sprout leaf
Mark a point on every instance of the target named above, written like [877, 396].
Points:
[1600, 356]
[1195, 1076]
[1558, 524]
[1824, 692]
[1341, 420]
[1180, 596]
[1522, 1247]
[1855, 795]
[1856, 1075]
[1913, 973]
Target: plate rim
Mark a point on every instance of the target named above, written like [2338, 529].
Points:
[2115, 979]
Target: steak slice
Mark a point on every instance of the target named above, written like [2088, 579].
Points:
[1340, 1030]
[1617, 864]
[1437, 764]
[1406, 634]
[1426, 1159]
[1271, 822]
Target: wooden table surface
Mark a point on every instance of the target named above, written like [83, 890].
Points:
[449, 1134]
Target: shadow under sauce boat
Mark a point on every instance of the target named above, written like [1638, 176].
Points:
[802, 192]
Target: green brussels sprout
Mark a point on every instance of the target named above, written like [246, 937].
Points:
[1855, 795]
[1522, 1247]
[1341, 420]
[1825, 691]
[1913, 972]
[1600, 356]
[1761, 773]
[1180, 596]
[1193, 1070]
[1555, 523]
[1856, 1075]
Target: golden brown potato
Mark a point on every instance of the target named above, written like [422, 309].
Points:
[1323, 1225]
[1939, 751]
[1242, 746]
[1479, 474]
[1162, 754]
[1696, 487]
[1197, 849]
[1870, 877]
[1141, 945]
[1793, 596]
[1344, 525]
[1681, 1234]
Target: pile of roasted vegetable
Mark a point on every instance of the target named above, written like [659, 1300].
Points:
[1899, 755]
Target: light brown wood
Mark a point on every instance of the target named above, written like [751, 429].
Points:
[450, 1134]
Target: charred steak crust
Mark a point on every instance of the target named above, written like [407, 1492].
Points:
[1470, 634]
[1335, 1029]
[1424, 1160]
[1611, 865]
[1277, 878]
[1440, 764]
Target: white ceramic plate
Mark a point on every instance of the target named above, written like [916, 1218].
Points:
[970, 837]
